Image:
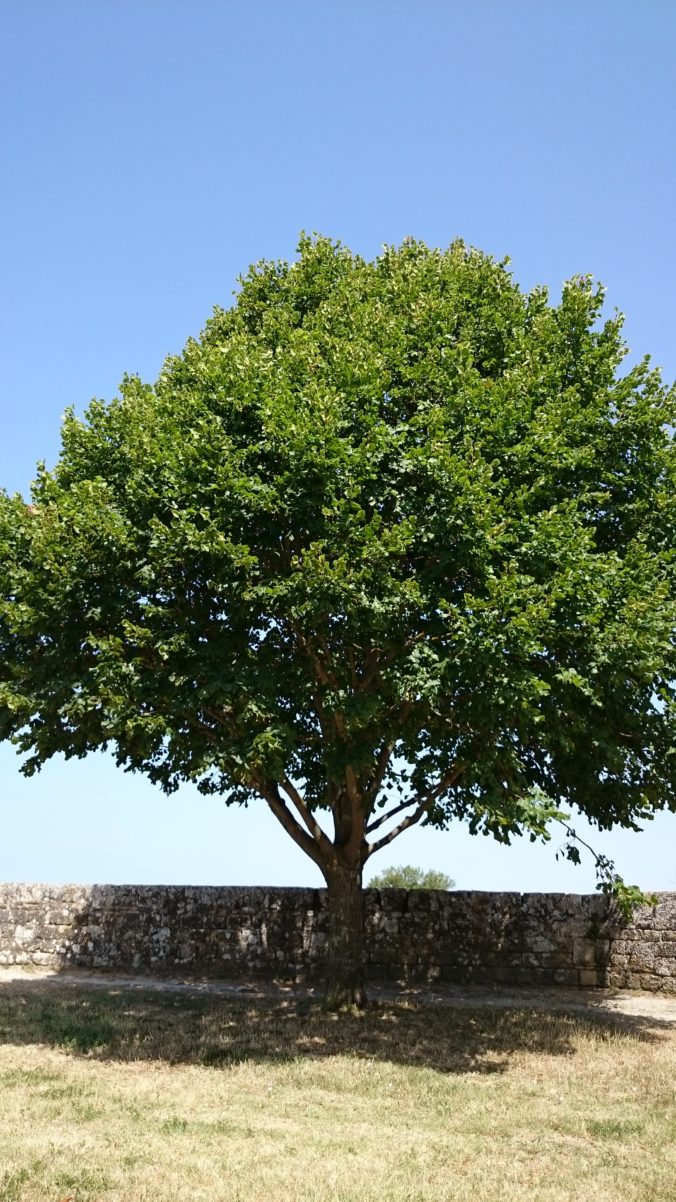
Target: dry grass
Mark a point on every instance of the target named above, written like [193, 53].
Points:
[159, 1097]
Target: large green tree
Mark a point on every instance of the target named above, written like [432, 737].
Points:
[392, 542]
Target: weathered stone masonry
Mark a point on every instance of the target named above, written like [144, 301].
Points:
[227, 932]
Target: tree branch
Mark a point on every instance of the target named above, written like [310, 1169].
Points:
[269, 791]
[372, 668]
[319, 836]
[320, 671]
[384, 757]
[403, 805]
[353, 668]
[445, 783]
[351, 785]
[321, 676]
[404, 825]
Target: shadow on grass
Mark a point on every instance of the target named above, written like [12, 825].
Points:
[109, 1023]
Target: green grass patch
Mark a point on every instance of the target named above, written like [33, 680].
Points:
[146, 1096]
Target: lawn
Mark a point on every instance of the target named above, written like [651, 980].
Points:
[161, 1097]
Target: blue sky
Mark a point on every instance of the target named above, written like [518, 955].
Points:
[151, 150]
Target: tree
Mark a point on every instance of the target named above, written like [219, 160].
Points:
[406, 876]
[392, 542]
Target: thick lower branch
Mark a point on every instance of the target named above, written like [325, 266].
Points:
[306, 814]
[293, 828]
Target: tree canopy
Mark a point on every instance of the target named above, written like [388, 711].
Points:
[390, 542]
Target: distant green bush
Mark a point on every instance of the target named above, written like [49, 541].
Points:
[406, 876]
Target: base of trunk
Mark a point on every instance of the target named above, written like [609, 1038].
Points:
[339, 996]
[345, 977]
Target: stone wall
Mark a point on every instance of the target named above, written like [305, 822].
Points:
[465, 937]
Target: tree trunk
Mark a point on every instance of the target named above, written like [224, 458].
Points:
[345, 984]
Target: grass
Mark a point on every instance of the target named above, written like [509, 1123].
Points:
[158, 1097]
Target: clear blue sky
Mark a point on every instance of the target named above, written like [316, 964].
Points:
[151, 150]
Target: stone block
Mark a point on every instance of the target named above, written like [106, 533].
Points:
[566, 976]
[44, 958]
[589, 977]
[584, 953]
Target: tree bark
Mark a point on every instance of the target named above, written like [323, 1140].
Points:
[346, 960]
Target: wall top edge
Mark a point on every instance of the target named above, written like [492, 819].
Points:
[298, 890]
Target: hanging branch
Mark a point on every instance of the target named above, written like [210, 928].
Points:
[609, 882]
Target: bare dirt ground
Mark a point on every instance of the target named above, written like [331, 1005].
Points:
[661, 1007]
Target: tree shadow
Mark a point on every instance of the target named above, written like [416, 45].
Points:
[119, 1023]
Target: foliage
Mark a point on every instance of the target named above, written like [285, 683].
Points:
[626, 898]
[391, 542]
[406, 876]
